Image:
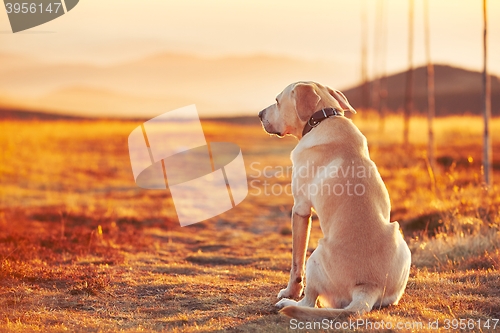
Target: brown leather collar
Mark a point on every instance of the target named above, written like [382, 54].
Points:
[318, 117]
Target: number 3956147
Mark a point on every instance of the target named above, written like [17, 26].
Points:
[32, 8]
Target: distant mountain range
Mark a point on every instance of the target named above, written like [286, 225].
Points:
[224, 86]
[20, 114]
[457, 91]
[156, 84]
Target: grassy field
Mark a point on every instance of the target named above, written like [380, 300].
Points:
[82, 248]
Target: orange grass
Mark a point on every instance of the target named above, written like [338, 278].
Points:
[83, 249]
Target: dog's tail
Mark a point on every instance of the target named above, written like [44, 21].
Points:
[362, 301]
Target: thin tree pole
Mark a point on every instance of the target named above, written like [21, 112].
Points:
[383, 66]
[379, 64]
[376, 59]
[409, 80]
[488, 174]
[431, 110]
[365, 90]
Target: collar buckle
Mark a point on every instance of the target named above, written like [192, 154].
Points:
[314, 122]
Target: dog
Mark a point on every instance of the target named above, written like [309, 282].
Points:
[362, 260]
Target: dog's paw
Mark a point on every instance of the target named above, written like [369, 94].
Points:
[291, 292]
[285, 302]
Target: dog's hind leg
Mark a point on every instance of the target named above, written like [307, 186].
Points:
[363, 298]
[315, 279]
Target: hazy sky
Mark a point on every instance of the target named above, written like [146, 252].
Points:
[106, 31]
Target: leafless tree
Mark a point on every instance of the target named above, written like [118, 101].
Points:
[409, 79]
[487, 167]
[365, 90]
[379, 95]
[431, 148]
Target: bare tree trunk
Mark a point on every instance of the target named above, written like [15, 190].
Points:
[409, 80]
[376, 59]
[365, 91]
[488, 174]
[379, 64]
[431, 148]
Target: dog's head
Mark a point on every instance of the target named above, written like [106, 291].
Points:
[295, 105]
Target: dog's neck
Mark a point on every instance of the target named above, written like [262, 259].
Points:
[318, 117]
[336, 132]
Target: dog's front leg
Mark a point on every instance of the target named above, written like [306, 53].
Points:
[301, 227]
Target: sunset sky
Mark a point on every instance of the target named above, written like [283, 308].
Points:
[116, 31]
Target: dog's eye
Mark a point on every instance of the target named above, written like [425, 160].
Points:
[277, 102]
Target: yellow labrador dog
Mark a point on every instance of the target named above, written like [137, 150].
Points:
[362, 261]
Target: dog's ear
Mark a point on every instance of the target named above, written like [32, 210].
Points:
[340, 97]
[306, 99]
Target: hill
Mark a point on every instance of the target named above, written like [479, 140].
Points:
[458, 91]
[153, 85]
[8, 113]
[222, 86]
[18, 114]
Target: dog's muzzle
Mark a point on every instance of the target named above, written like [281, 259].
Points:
[261, 116]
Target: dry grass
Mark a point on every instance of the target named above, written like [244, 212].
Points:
[83, 249]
